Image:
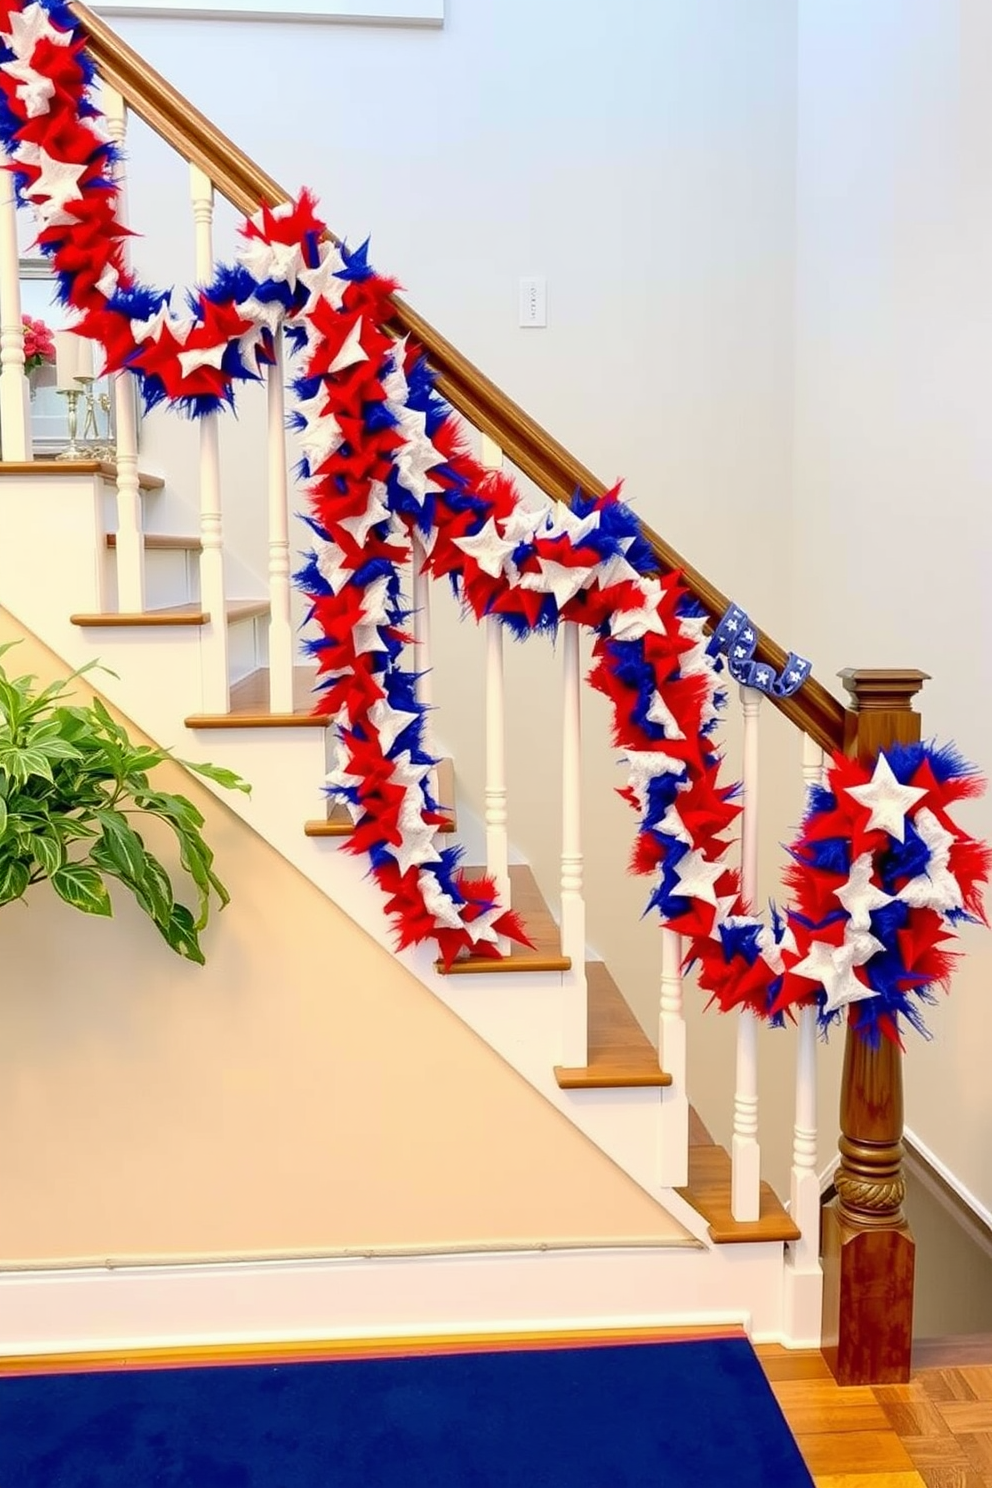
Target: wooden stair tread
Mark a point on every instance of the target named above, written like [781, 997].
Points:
[540, 926]
[76, 467]
[338, 822]
[250, 705]
[163, 542]
[184, 614]
[708, 1192]
[620, 1052]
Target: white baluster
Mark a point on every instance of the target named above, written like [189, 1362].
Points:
[15, 423]
[805, 1191]
[497, 836]
[490, 454]
[423, 661]
[213, 636]
[745, 1201]
[280, 601]
[805, 1187]
[672, 1059]
[575, 1031]
[130, 550]
[803, 1276]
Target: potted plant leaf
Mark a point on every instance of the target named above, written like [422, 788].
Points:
[74, 792]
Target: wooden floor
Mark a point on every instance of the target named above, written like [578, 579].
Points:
[936, 1431]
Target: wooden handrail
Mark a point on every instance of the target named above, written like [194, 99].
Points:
[524, 442]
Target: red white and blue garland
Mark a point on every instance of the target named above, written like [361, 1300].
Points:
[880, 877]
[383, 460]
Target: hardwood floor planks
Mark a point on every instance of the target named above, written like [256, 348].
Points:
[935, 1432]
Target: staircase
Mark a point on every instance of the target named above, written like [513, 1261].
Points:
[214, 671]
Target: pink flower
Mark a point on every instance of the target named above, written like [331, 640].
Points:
[39, 344]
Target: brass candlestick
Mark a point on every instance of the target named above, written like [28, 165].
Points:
[91, 428]
[72, 450]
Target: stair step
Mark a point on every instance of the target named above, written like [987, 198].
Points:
[250, 705]
[338, 822]
[163, 542]
[76, 467]
[184, 614]
[708, 1192]
[527, 901]
[620, 1053]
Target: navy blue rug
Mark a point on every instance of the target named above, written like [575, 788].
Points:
[665, 1414]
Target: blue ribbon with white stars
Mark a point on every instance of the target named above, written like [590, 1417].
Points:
[737, 639]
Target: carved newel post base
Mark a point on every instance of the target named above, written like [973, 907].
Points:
[868, 1248]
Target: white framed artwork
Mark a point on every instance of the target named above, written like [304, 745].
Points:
[369, 12]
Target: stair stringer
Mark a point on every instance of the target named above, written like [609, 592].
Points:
[153, 678]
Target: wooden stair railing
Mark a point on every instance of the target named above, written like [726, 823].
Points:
[868, 1259]
[525, 444]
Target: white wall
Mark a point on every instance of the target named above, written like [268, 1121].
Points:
[643, 160]
[893, 521]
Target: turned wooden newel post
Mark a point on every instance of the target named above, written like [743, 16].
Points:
[868, 1248]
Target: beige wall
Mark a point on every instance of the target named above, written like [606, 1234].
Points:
[893, 536]
[300, 1092]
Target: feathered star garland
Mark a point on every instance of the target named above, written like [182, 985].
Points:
[383, 460]
[880, 877]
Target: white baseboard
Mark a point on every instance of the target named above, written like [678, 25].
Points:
[297, 1302]
[980, 1211]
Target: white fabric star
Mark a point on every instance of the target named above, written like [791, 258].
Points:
[935, 888]
[374, 613]
[886, 799]
[108, 281]
[394, 382]
[833, 968]
[859, 895]
[417, 845]
[771, 949]
[59, 179]
[389, 723]
[481, 928]
[202, 356]
[416, 457]
[322, 435]
[268, 313]
[152, 328]
[522, 524]
[630, 625]
[561, 520]
[375, 512]
[557, 579]
[438, 903]
[35, 90]
[659, 712]
[331, 565]
[281, 262]
[489, 550]
[672, 825]
[28, 27]
[344, 779]
[352, 351]
[321, 281]
[696, 877]
[616, 570]
[645, 765]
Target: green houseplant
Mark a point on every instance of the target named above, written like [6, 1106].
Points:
[73, 791]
